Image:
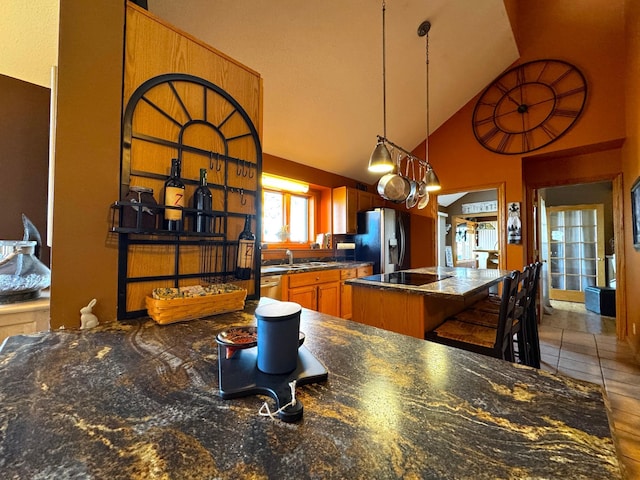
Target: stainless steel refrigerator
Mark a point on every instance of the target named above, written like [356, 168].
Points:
[383, 238]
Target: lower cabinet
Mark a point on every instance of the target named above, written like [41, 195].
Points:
[346, 297]
[324, 291]
[345, 291]
[318, 290]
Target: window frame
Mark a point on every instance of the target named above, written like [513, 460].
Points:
[312, 197]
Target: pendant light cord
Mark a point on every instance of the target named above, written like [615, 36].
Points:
[384, 74]
[426, 140]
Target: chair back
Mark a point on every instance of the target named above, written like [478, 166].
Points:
[508, 310]
[531, 316]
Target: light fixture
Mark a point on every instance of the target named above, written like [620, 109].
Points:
[381, 161]
[432, 181]
[282, 183]
[433, 184]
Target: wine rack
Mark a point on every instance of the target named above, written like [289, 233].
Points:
[189, 118]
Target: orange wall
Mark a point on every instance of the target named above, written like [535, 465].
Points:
[631, 164]
[590, 37]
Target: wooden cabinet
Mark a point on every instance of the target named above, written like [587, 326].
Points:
[365, 271]
[347, 202]
[346, 294]
[324, 291]
[318, 290]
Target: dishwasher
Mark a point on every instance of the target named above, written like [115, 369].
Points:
[270, 286]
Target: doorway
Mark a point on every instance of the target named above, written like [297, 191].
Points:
[471, 228]
[576, 238]
[575, 235]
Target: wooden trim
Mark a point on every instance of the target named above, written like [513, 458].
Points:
[618, 233]
[621, 271]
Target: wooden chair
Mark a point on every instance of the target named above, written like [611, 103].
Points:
[525, 324]
[495, 341]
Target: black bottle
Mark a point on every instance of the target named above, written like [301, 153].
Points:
[202, 201]
[246, 245]
[174, 196]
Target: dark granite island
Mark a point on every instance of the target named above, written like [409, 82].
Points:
[416, 301]
[141, 400]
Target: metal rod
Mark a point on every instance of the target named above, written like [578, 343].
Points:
[424, 163]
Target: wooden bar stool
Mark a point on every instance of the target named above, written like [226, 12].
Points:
[485, 313]
[488, 340]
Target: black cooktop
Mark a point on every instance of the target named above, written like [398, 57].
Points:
[406, 278]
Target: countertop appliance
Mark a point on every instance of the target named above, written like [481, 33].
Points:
[383, 238]
[271, 286]
[407, 278]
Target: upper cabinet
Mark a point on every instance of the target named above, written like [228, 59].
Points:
[347, 202]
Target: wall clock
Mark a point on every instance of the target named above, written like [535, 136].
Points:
[529, 106]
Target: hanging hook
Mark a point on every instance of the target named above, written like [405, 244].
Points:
[245, 169]
[243, 199]
[251, 174]
[210, 160]
[218, 163]
[238, 168]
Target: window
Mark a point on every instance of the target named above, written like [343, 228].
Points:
[287, 216]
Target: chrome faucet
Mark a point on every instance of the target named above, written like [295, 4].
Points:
[289, 254]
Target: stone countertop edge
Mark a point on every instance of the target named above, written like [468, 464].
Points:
[139, 400]
[288, 270]
[463, 282]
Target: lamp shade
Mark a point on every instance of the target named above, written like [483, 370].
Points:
[433, 184]
[380, 161]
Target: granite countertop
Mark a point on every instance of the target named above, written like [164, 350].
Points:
[286, 269]
[140, 400]
[461, 282]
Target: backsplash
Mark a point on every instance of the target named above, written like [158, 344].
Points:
[278, 256]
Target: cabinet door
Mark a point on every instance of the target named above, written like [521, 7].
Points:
[305, 296]
[329, 298]
[345, 209]
[345, 292]
[365, 201]
[346, 309]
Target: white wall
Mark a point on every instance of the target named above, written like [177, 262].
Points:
[29, 39]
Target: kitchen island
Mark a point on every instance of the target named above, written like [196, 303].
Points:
[413, 302]
[140, 400]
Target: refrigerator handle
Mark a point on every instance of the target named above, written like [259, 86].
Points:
[403, 242]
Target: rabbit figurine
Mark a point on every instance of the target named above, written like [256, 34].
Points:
[88, 319]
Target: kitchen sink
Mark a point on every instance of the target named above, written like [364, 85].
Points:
[296, 266]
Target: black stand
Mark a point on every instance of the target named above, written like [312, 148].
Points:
[239, 376]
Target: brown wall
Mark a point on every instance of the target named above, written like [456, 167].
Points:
[24, 161]
[84, 255]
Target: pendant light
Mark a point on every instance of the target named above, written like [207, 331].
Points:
[381, 161]
[432, 181]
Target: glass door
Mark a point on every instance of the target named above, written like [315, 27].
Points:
[576, 250]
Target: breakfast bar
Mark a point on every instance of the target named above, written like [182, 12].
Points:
[416, 301]
[141, 400]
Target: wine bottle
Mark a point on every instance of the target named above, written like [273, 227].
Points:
[202, 201]
[173, 197]
[246, 245]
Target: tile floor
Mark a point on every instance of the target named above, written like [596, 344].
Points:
[582, 344]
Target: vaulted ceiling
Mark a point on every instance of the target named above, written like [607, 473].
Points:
[321, 64]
